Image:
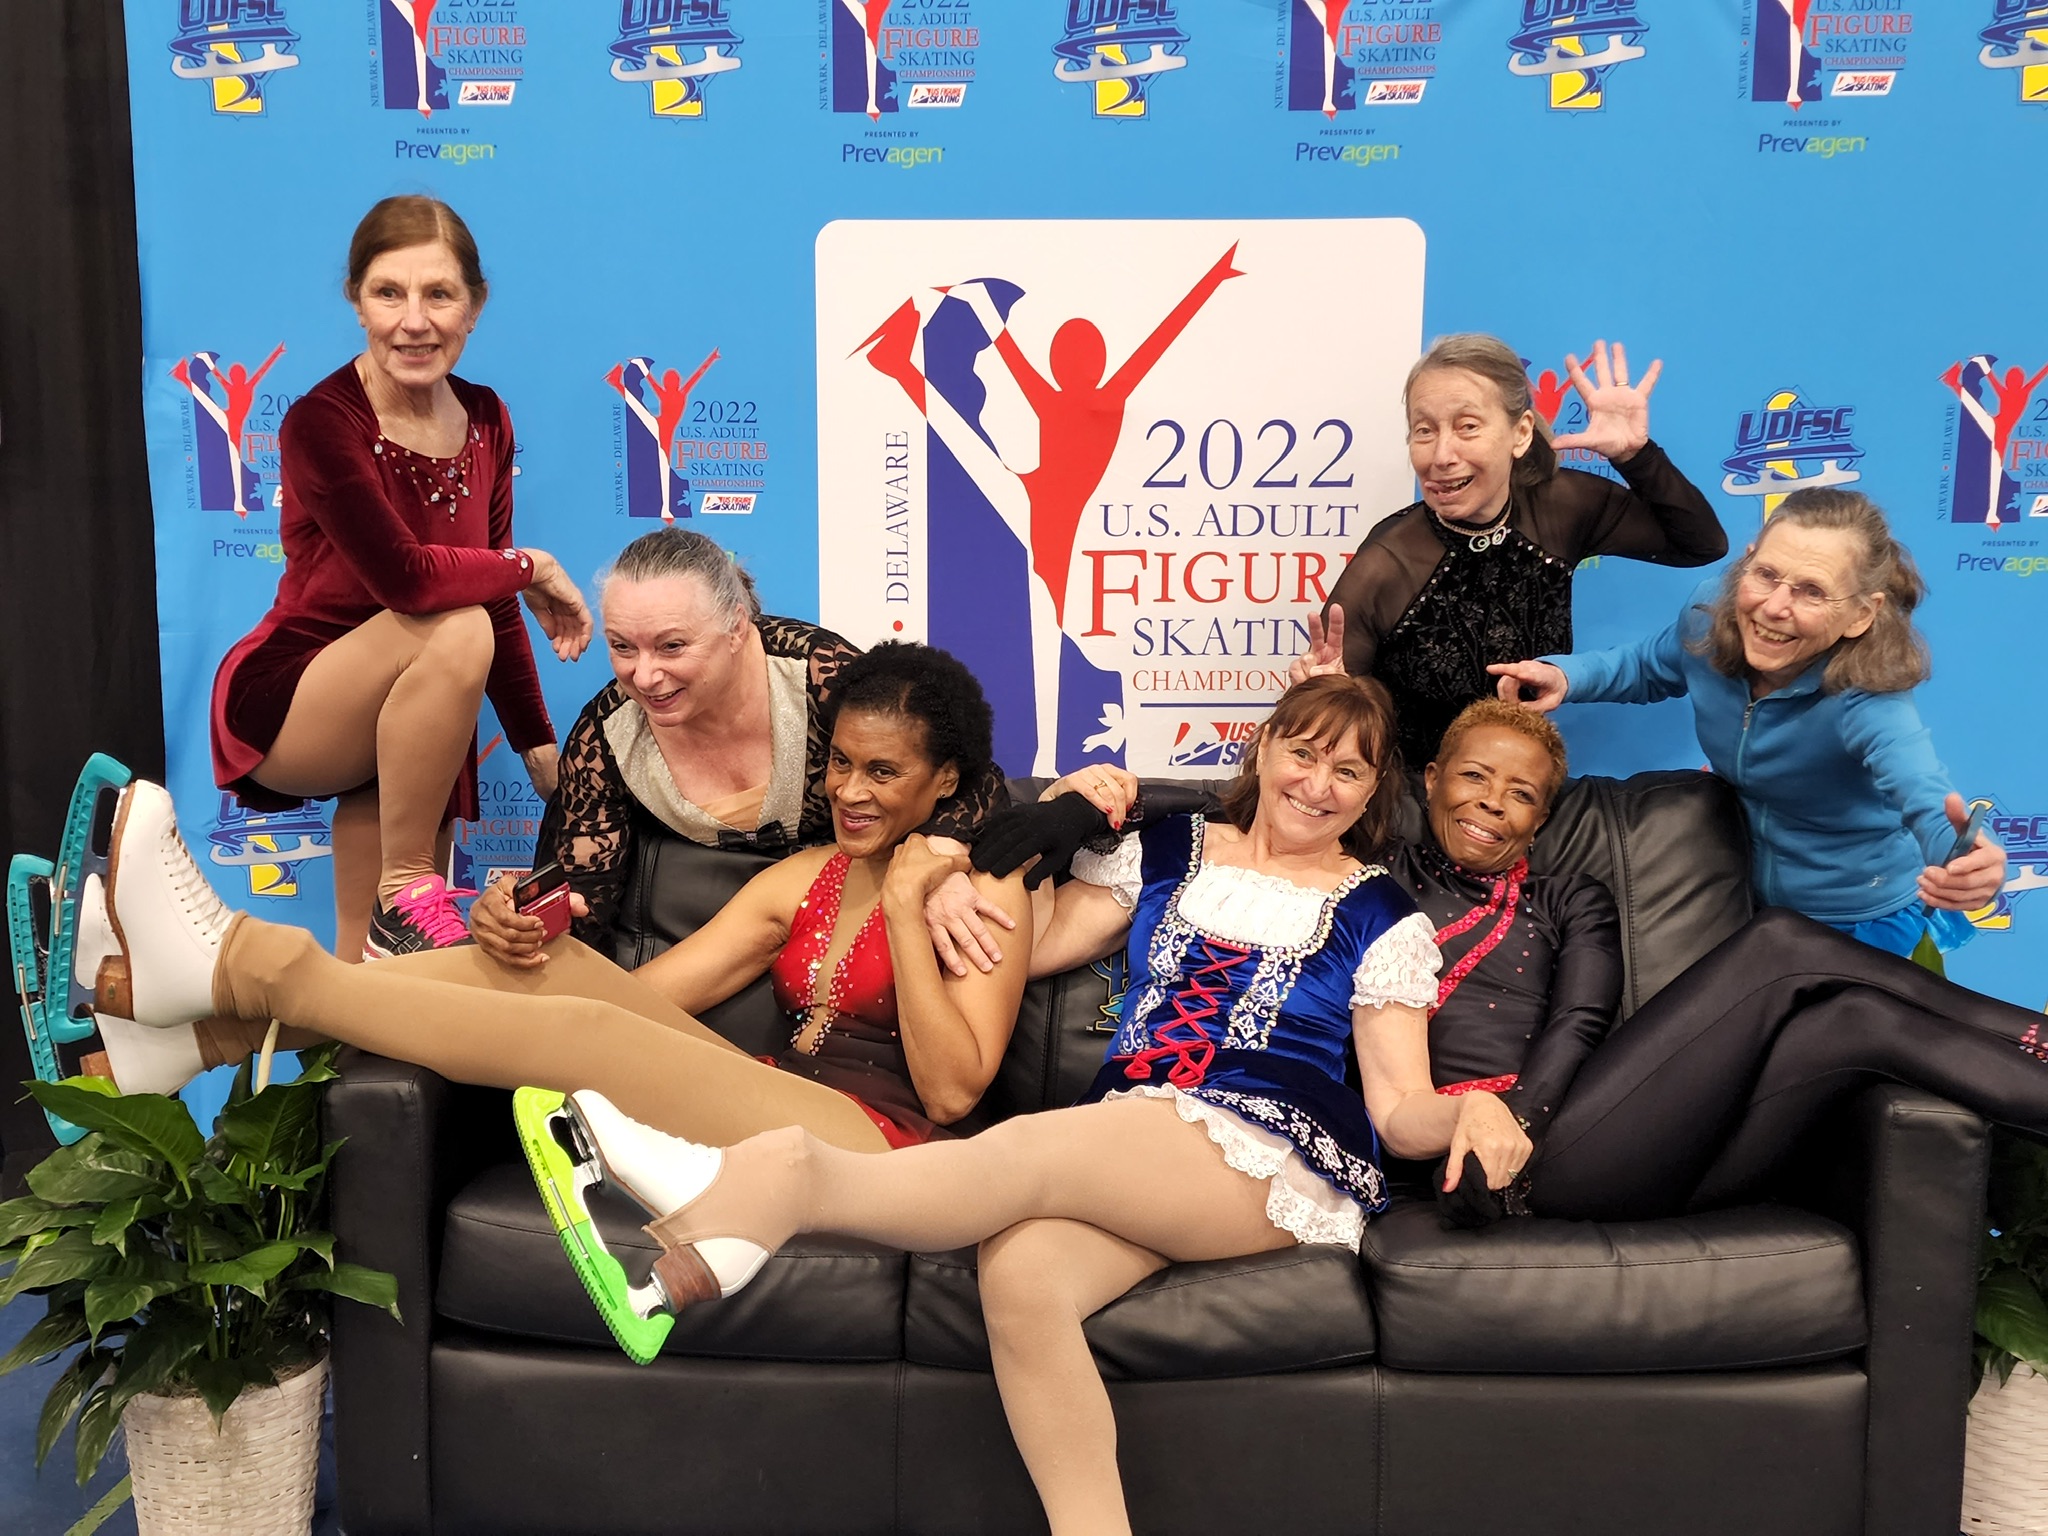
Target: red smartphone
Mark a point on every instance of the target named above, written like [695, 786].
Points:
[544, 894]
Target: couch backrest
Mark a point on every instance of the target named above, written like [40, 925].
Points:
[1672, 847]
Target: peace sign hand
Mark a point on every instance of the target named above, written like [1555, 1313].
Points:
[1325, 651]
[1617, 412]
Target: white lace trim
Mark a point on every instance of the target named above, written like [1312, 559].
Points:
[1400, 967]
[1120, 869]
[1299, 1201]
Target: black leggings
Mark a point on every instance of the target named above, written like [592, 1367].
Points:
[1692, 1102]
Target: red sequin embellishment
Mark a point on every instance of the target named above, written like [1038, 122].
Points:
[1507, 894]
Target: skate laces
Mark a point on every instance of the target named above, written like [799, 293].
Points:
[189, 886]
[429, 905]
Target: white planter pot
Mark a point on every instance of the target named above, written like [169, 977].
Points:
[254, 1477]
[2005, 1483]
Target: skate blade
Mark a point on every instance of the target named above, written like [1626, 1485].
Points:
[85, 851]
[29, 912]
[635, 1314]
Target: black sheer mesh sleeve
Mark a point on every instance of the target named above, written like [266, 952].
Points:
[587, 826]
[1381, 581]
[1658, 515]
[1585, 991]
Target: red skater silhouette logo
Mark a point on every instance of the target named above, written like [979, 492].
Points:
[1986, 486]
[228, 482]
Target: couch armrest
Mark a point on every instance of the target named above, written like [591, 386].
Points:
[411, 1138]
[1905, 1171]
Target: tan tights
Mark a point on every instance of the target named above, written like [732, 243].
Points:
[577, 1022]
[393, 701]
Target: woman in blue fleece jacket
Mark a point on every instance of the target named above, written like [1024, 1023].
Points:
[1800, 661]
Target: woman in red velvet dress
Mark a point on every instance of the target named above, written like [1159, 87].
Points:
[395, 614]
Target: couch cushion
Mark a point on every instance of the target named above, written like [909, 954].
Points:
[1296, 1309]
[1756, 1286]
[502, 1268]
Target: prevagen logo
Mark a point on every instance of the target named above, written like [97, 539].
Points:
[1210, 743]
[1574, 45]
[234, 46]
[1785, 445]
[422, 45]
[272, 847]
[1118, 49]
[228, 480]
[886, 55]
[1344, 54]
[2018, 39]
[1998, 452]
[675, 48]
[1804, 49]
[2024, 836]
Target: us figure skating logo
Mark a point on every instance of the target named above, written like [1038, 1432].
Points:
[1573, 45]
[1786, 445]
[222, 455]
[271, 847]
[1341, 55]
[235, 46]
[1119, 49]
[1802, 50]
[425, 46]
[1998, 447]
[889, 55]
[2017, 39]
[1210, 743]
[675, 48]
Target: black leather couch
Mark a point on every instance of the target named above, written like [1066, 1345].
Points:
[1797, 1367]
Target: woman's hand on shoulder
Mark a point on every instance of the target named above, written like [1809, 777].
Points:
[916, 869]
[1970, 882]
[506, 934]
[1488, 1127]
[1110, 789]
[1548, 680]
[557, 605]
[1617, 412]
[953, 914]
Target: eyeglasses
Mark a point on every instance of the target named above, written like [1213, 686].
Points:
[1761, 581]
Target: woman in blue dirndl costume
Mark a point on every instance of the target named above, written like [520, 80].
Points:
[1261, 945]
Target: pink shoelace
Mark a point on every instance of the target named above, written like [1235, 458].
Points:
[429, 905]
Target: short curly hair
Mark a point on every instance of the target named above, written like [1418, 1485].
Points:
[926, 684]
[1522, 722]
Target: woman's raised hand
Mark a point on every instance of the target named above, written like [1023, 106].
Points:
[1549, 682]
[1617, 412]
[1325, 651]
[1111, 790]
[557, 606]
[1488, 1127]
[1974, 880]
[505, 933]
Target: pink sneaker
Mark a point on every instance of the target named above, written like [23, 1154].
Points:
[422, 916]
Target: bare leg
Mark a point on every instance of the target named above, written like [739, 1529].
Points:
[394, 700]
[358, 862]
[1039, 1281]
[528, 1031]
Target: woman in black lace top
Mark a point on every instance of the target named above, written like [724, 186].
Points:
[713, 726]
[1483, 563]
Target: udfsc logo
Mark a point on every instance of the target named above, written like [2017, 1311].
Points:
[235, 46]
[1573, 46]
[1119, 49]
[676, 48]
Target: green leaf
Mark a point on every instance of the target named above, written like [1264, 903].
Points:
[111, 1230]
[101, 1512]
[29, 1214]
[2013, 1317]
[68, 1391]
[223, 1188]
[277, 1129]
[142, 1122]
[356, 1282]
[57, 1330]
[95, 1170]
[114, 1298]
[72, 1255]
[96, 1426]
[157, 1350]
[253, 1270]
[220, 1382]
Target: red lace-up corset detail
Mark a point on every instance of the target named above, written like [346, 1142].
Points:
[1202, 995]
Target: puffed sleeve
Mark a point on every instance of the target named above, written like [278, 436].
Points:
[1121, 869]
[1399, 966]
[1585, 991]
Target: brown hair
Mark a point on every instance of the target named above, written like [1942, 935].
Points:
[1888, 657]
[1326, 709]
[1510, 717]
[398, 222]
[1501, 366]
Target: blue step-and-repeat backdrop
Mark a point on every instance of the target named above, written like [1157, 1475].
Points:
[747, 258]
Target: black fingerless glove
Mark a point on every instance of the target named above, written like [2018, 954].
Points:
[1052, 830]
[1472, 1205]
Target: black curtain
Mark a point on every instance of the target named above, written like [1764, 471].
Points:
[78, 650]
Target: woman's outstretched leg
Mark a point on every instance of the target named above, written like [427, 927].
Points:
[1695, 1098]
[1040, 1280]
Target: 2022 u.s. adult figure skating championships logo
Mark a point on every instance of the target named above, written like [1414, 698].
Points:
[1998, 442]
[1801, 51]
[682, 451]
[675, 48]
[234, 46]
[894, 55]
[1574, 45]
[1109, 464]
[1341, 55]
[436, 54]
[227, 456]
[1119, 49]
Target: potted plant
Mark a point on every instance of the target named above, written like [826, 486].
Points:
[191, 1277]
[2004, 1485]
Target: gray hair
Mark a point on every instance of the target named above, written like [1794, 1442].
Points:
[678, 551]
[1501, 366]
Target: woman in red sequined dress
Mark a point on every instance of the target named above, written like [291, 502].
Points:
[396, 613]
